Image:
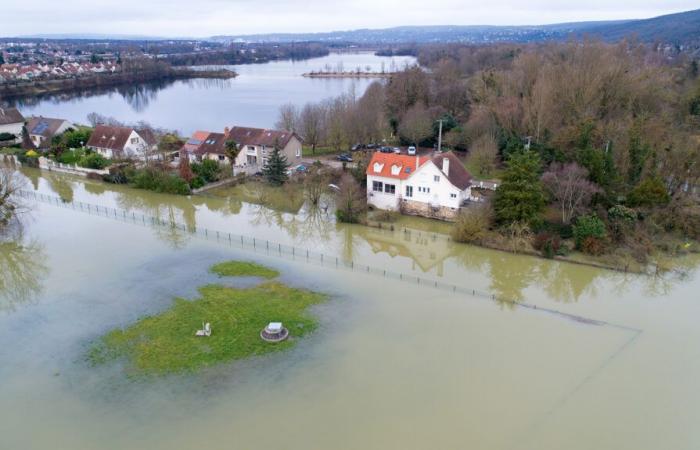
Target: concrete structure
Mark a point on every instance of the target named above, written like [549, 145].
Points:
[432, 187]
[42, 129]
[122, 142]
[11, 122]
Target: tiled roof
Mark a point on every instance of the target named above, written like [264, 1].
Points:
[44, 126]
[403, 165]
[391, 165]
[259, 136]
[113, 138]
[10, 115]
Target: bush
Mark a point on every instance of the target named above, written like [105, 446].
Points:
[197, 182]
[621, 219]
[208, 170]
[650, 192]
[548, 244]
[7, 137]
[593, 246]
[159, 181]
[93, 161]
[472, 226]
[586, 227]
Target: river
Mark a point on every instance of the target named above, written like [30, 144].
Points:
[251, 99]
[393, 365]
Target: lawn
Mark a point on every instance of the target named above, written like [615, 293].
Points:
[243, 269]
[306, 151]
[165, 343]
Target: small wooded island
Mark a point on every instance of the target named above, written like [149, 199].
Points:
[166, 343]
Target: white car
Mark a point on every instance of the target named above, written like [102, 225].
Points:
[411, 151]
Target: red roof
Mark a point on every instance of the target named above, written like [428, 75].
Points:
[406, 165]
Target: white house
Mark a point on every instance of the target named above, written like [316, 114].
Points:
[257, 144]
[11, 122]
[122, 142]
[432, 187]
[42, 129]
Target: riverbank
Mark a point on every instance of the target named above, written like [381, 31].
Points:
[105, 80]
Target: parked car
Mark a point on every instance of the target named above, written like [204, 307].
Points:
[344, 157]
[386, 149]
[411, 150]
[397, 150]
[358, 147]
[371, 146]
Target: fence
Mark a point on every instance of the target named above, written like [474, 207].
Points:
[278, 249]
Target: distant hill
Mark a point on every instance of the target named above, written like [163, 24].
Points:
[680, 28]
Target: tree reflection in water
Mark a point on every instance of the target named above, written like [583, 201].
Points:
[23, 270]
[61, 185]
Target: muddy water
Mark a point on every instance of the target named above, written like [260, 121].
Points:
[393, 365]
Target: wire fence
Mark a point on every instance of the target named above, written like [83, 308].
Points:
[272, 248]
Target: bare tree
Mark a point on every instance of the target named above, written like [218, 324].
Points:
[416, 125]
[288, 117]
[570, 188]
[10, 184]
[315, 184]
[350, 200]
[483, 154]
[311, 125]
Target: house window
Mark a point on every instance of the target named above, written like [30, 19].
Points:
[390, 188]
[409, 191]
[436, 178]
[425, 190]
[135, 140]
[453, 195]
[221, 157]
[299, 152]
[377, 186]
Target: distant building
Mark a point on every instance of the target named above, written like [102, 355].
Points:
[11, 122]
[432, 187]
[122, 142]
[42, 129]
[257, 144]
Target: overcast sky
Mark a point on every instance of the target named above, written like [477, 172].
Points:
[199, 18]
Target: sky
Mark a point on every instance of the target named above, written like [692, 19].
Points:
[203, 18]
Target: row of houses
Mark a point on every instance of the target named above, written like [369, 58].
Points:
[28, 72]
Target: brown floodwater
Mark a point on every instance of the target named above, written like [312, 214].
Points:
[599, 359]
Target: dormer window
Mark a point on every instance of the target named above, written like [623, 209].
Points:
[378, 167]
[395, 169]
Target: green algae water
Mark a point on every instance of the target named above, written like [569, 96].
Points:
[391, 364]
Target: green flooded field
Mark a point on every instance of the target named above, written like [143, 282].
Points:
[600, 359]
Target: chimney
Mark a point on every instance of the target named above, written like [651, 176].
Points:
[446, 166]
[417, 162]
[226, 131]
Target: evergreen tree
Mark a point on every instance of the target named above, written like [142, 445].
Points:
[520, 197]
[275, 170]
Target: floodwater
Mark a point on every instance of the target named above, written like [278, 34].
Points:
[394, 365]
[251, 99]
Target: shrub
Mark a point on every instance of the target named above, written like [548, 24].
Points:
[588, 226]
[650, 192]
[93, 161]
[472, 226]
[208, 170]
[593, 246]
[547, 243]
[622, 219]
[7, 137]
[197, 182]
[159, 181]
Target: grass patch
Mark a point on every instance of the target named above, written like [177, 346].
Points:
[165, 343]
[306, 151]
[243, 269]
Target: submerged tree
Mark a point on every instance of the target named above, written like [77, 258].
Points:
[10, 184]
[350, 200]
[520, 197]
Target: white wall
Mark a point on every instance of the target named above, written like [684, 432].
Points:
[13, 128]
[383, 200]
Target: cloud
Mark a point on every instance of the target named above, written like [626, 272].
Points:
[211, 17]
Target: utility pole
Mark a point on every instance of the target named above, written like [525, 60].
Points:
[439, 149]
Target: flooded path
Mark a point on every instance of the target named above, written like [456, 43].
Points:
[597, 359]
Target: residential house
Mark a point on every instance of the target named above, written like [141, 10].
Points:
[11, 122]
[122, 142]
[426, 186]
[42, 129]
[257, 144]
[205, 145]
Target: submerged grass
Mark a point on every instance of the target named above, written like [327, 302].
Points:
[165, 343]
[243, 269]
